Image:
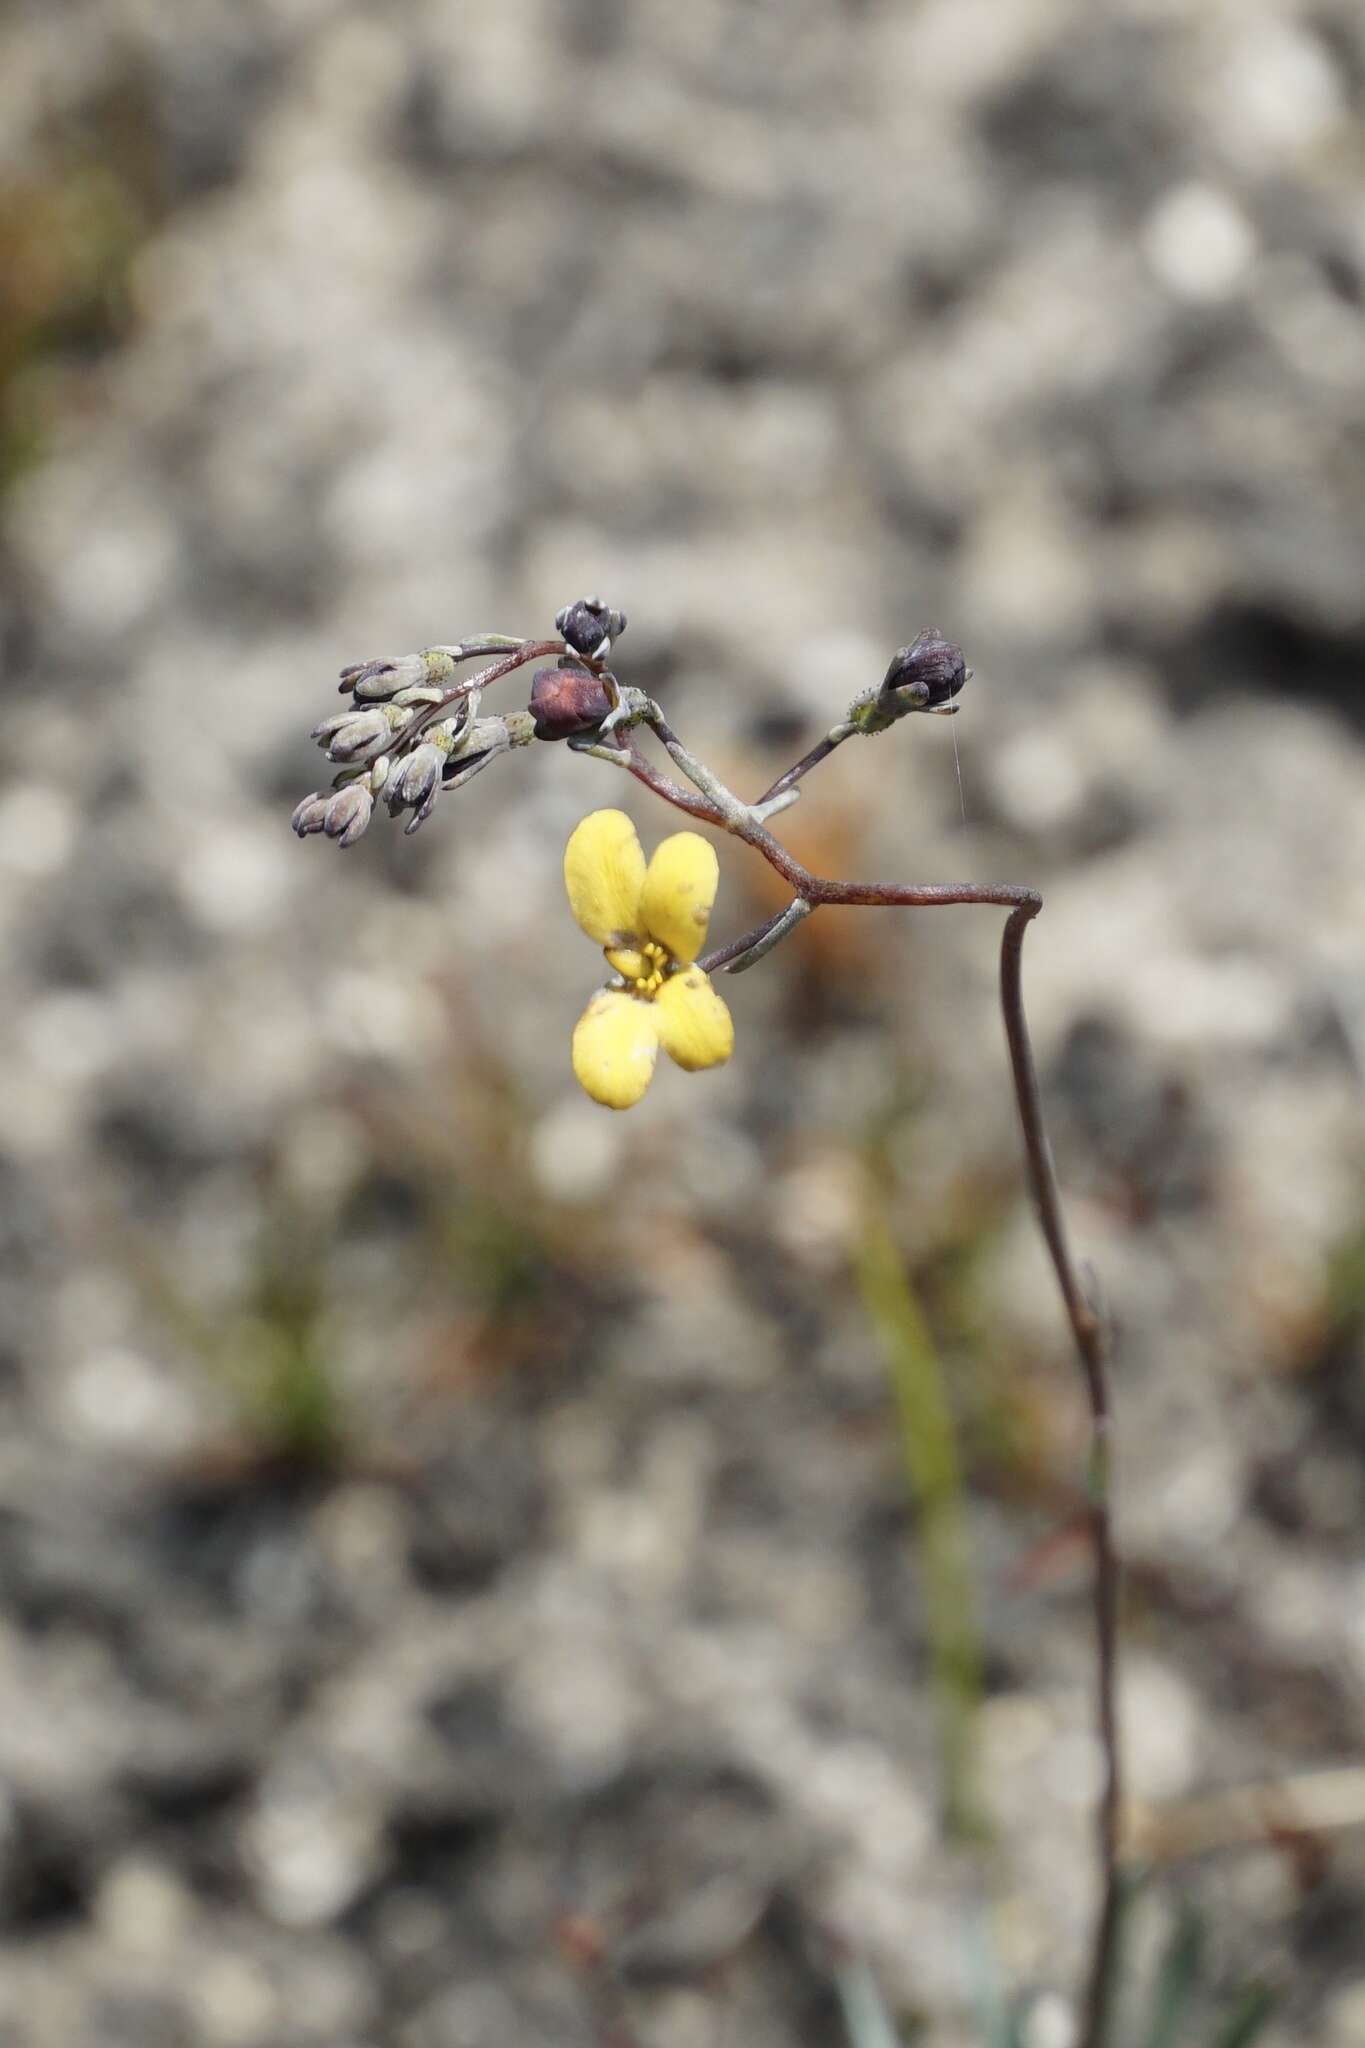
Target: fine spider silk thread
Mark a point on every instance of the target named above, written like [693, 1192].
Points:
[957, 763]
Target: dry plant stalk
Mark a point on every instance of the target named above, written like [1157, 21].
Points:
[413, 734]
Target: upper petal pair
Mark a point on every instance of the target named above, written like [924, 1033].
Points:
[616, 898]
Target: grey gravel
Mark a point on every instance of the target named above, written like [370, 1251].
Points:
[588, 1612]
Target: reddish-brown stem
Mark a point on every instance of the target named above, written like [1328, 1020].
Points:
[672, 792]
[1087, 1330]
[1091, 1346]
[529, 650]
[818, 753]
[818, 889]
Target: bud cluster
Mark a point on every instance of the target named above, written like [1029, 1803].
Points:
[411, 731]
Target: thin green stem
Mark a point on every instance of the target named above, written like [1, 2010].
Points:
[928, 1438]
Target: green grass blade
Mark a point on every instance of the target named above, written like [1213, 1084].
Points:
[1178, 1980]
[866, 2019]
[928, 1440]
[1248, 2016]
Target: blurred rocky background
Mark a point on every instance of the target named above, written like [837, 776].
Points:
[461, 1585]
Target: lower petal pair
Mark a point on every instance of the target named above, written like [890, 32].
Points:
[617, 1039]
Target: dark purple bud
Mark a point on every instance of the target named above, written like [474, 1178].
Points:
[590, 626]
[566, 700]
[932, 661]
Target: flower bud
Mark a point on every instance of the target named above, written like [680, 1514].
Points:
[352, 734]
[416, 782]
[369, 733]
[590, 626]
[348, 814]
[372, 681]
[325, 727]
[309, 816]
[932, 661]
[481, 742]
[566, 700]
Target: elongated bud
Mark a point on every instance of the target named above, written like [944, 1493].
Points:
[590, 626]
[566, 700]
[415, 776]
[310, 815]
[415, 782]
[326, 727]
[932, 661]
[349, 813]
[372, 681]
[353, 734]
[481, 742]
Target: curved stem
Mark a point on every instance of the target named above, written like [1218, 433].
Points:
[1089, 1334]
[721, 956]
[720, 809]
[748, 951]
[629, 757]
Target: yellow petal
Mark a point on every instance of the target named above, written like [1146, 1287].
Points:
[604, 873]
[615, 1045]
[679, 890]
[693, 1022]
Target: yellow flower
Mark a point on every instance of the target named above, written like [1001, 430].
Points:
[651, 924]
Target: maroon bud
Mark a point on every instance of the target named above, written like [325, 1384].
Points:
[565, 701]
[930, 661]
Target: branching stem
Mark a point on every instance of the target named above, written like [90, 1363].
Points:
[906, 690]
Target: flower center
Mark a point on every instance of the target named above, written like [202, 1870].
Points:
[643, 968]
